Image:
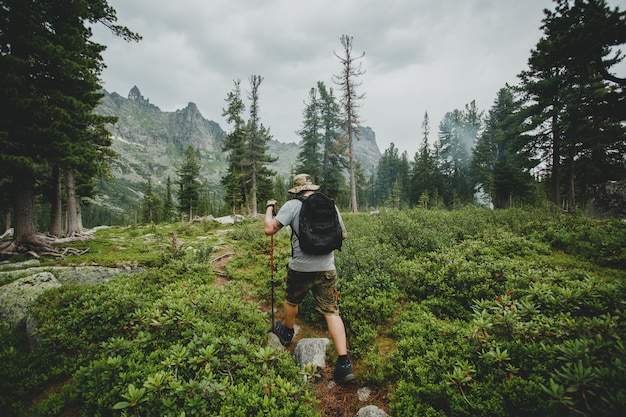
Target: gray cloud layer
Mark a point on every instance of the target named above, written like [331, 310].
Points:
[420, 55]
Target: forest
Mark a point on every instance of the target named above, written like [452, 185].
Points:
[556, 135]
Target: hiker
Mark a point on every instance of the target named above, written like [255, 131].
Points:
[309, 272]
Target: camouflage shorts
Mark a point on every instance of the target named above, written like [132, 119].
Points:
[322, 284]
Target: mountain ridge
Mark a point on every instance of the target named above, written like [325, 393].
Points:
[150, 144]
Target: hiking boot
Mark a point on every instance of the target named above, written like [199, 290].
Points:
[284, 334]
[343, 373]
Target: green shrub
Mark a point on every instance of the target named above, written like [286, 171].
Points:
[455, 313]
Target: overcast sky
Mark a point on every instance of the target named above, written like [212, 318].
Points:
[420, 56]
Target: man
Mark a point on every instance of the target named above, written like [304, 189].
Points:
[306, 272]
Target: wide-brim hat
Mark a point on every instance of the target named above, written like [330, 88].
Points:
[302, 182]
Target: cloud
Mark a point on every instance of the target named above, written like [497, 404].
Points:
[420, 56]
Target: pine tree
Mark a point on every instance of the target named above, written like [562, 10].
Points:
[322, 153]
[168, 203]
[575, 108]
[50, 87]
[502, 171]
[151, 205]
[334, 163]
[457, 134]
[310, 157]
[189, 182]
[256, 156]
[424, 179]
[235, 143]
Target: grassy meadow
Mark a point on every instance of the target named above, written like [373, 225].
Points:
[471, 312]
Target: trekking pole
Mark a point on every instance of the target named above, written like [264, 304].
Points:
[272, 274]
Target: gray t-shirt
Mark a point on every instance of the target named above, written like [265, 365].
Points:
[289, 214]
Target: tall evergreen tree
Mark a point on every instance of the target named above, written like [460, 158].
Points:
[334, 159]
[455, 143]
[189, 182]
[168, 204]
[235, 143]
[348, 83]
[576, 108]
[497, 165]
[322, 153]
[50, 87]
[310, 158]
[424, 179]
[256, 156]
[151, 205]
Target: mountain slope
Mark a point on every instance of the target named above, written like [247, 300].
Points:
[150, 144]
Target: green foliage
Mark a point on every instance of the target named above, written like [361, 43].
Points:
[462, 313]
[189, 182]
[484, 319]
[601, 242]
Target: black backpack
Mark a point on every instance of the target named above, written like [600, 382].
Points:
[320, 230]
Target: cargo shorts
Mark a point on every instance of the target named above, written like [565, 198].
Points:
[322, 284]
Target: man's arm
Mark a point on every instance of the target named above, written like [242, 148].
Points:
[270, 224]
[344, 232]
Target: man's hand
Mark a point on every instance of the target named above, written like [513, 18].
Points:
[270, 224]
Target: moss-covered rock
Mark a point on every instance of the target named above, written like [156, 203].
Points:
[17, 296]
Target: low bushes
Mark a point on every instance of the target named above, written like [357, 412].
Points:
[486, 320]
[464, 313]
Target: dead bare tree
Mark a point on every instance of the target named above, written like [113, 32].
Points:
[347, 82]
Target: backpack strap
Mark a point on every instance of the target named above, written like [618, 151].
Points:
[293, 230]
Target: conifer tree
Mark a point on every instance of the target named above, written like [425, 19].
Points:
[235, 143]
[502, 171]
[310, 157]
[424, 178]
[575, 107]
[189, 182]
[256, 156]
[168, 203]
[322, 154]
[334, 160]
[50, 87]
[457, 133]
[151, 205]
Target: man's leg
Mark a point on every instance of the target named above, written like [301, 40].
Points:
[338, 333]
[343, 368]
[289, 312]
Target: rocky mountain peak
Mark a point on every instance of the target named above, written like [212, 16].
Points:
[135, 95]
[150, 144]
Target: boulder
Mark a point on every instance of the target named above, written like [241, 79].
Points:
[18, 265]
[371, 411]
[311, 350]
[17, 296]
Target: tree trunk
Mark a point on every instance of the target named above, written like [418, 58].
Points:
[571, 194]
[352, 169]
[253, 205]
[56, 227]
[24, 222]
[556, 163]
[73, 219]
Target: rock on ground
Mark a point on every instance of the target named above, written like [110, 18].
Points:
[311, 350]
[17, 296]
[371, 411]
